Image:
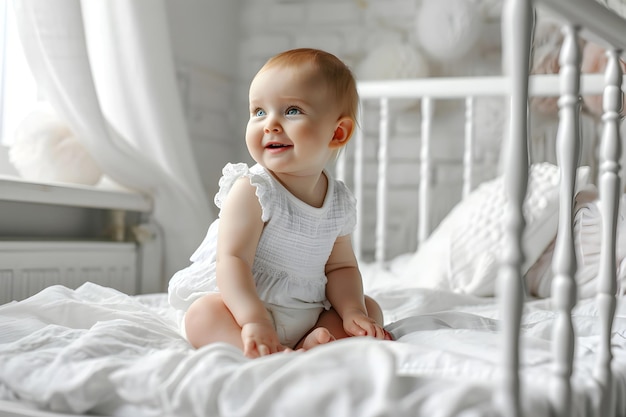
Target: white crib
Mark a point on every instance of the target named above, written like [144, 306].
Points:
[580, 17]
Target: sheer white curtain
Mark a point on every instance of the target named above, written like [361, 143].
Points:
[107, 68]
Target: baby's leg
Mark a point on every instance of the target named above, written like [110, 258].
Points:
[208, 320]
[317, 336]
[329, 325]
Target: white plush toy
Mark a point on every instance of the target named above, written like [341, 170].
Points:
[392, 61]
[44, 149]
[448, 29]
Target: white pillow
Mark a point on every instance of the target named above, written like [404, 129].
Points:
[462, 254]
[587, 245]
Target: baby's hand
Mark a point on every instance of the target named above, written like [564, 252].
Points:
[260, 339]
[356, 323]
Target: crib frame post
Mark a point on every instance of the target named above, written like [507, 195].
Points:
[425, 181]
[516, 36]
[358, 172]
[610, 153]
[564, 261]
[381, 185]
[468, 150]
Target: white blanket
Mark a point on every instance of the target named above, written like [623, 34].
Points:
[96, 350]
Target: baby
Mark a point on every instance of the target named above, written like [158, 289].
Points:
[276, 270]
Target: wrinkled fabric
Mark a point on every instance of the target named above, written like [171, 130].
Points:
[97, 350]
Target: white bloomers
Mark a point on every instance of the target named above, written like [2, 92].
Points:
[291, 324]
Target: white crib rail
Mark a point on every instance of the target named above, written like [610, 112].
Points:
[539, 85]
[425, 171]
[429, 90]
[381, 191]
[564, 263]
[468, 155]
[516, 35]
[610, 189]
[596, 21]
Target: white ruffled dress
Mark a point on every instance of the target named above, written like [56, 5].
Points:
[293, 249]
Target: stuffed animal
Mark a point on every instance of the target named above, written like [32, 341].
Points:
[448, 29]
[394, 60]
[45, 149]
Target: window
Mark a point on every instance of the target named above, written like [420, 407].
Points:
[18, 89]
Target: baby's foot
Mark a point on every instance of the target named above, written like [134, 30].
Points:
[317, 337]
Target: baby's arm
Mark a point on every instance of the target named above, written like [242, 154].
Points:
[239, 233]
[345, 291]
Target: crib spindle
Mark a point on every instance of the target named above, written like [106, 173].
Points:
[564, 261]
[425, 181]
[381, 190]
[468, 150]
[516, 34]
[609, 187]
[359, 141]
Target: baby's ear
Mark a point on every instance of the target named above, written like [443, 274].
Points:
[343, 132]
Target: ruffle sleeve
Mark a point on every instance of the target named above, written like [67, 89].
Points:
[232, 172]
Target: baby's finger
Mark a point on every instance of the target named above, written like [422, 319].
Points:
[250, 351]
[370, 328]
[380, 333]
[264, 350]
[376, 330]
[353, 329]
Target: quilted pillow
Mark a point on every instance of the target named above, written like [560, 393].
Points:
[587, 246]
[462, 254]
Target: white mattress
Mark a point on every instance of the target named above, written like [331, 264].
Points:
[99, 351]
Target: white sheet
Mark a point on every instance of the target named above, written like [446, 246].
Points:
[97, 350]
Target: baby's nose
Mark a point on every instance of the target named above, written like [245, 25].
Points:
[272, 126]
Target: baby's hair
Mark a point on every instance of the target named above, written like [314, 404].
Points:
[334, 72]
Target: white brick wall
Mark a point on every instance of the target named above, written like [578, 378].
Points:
[205, 41]
[220, 46]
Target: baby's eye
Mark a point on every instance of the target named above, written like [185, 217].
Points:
[259, 112]
[292, 111]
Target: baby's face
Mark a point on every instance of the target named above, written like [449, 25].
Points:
[292, 121]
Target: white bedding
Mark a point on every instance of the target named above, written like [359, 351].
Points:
[96, 350]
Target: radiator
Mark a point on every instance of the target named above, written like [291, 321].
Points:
[28, 267]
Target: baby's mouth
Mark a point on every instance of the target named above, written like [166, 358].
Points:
[277, 146]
